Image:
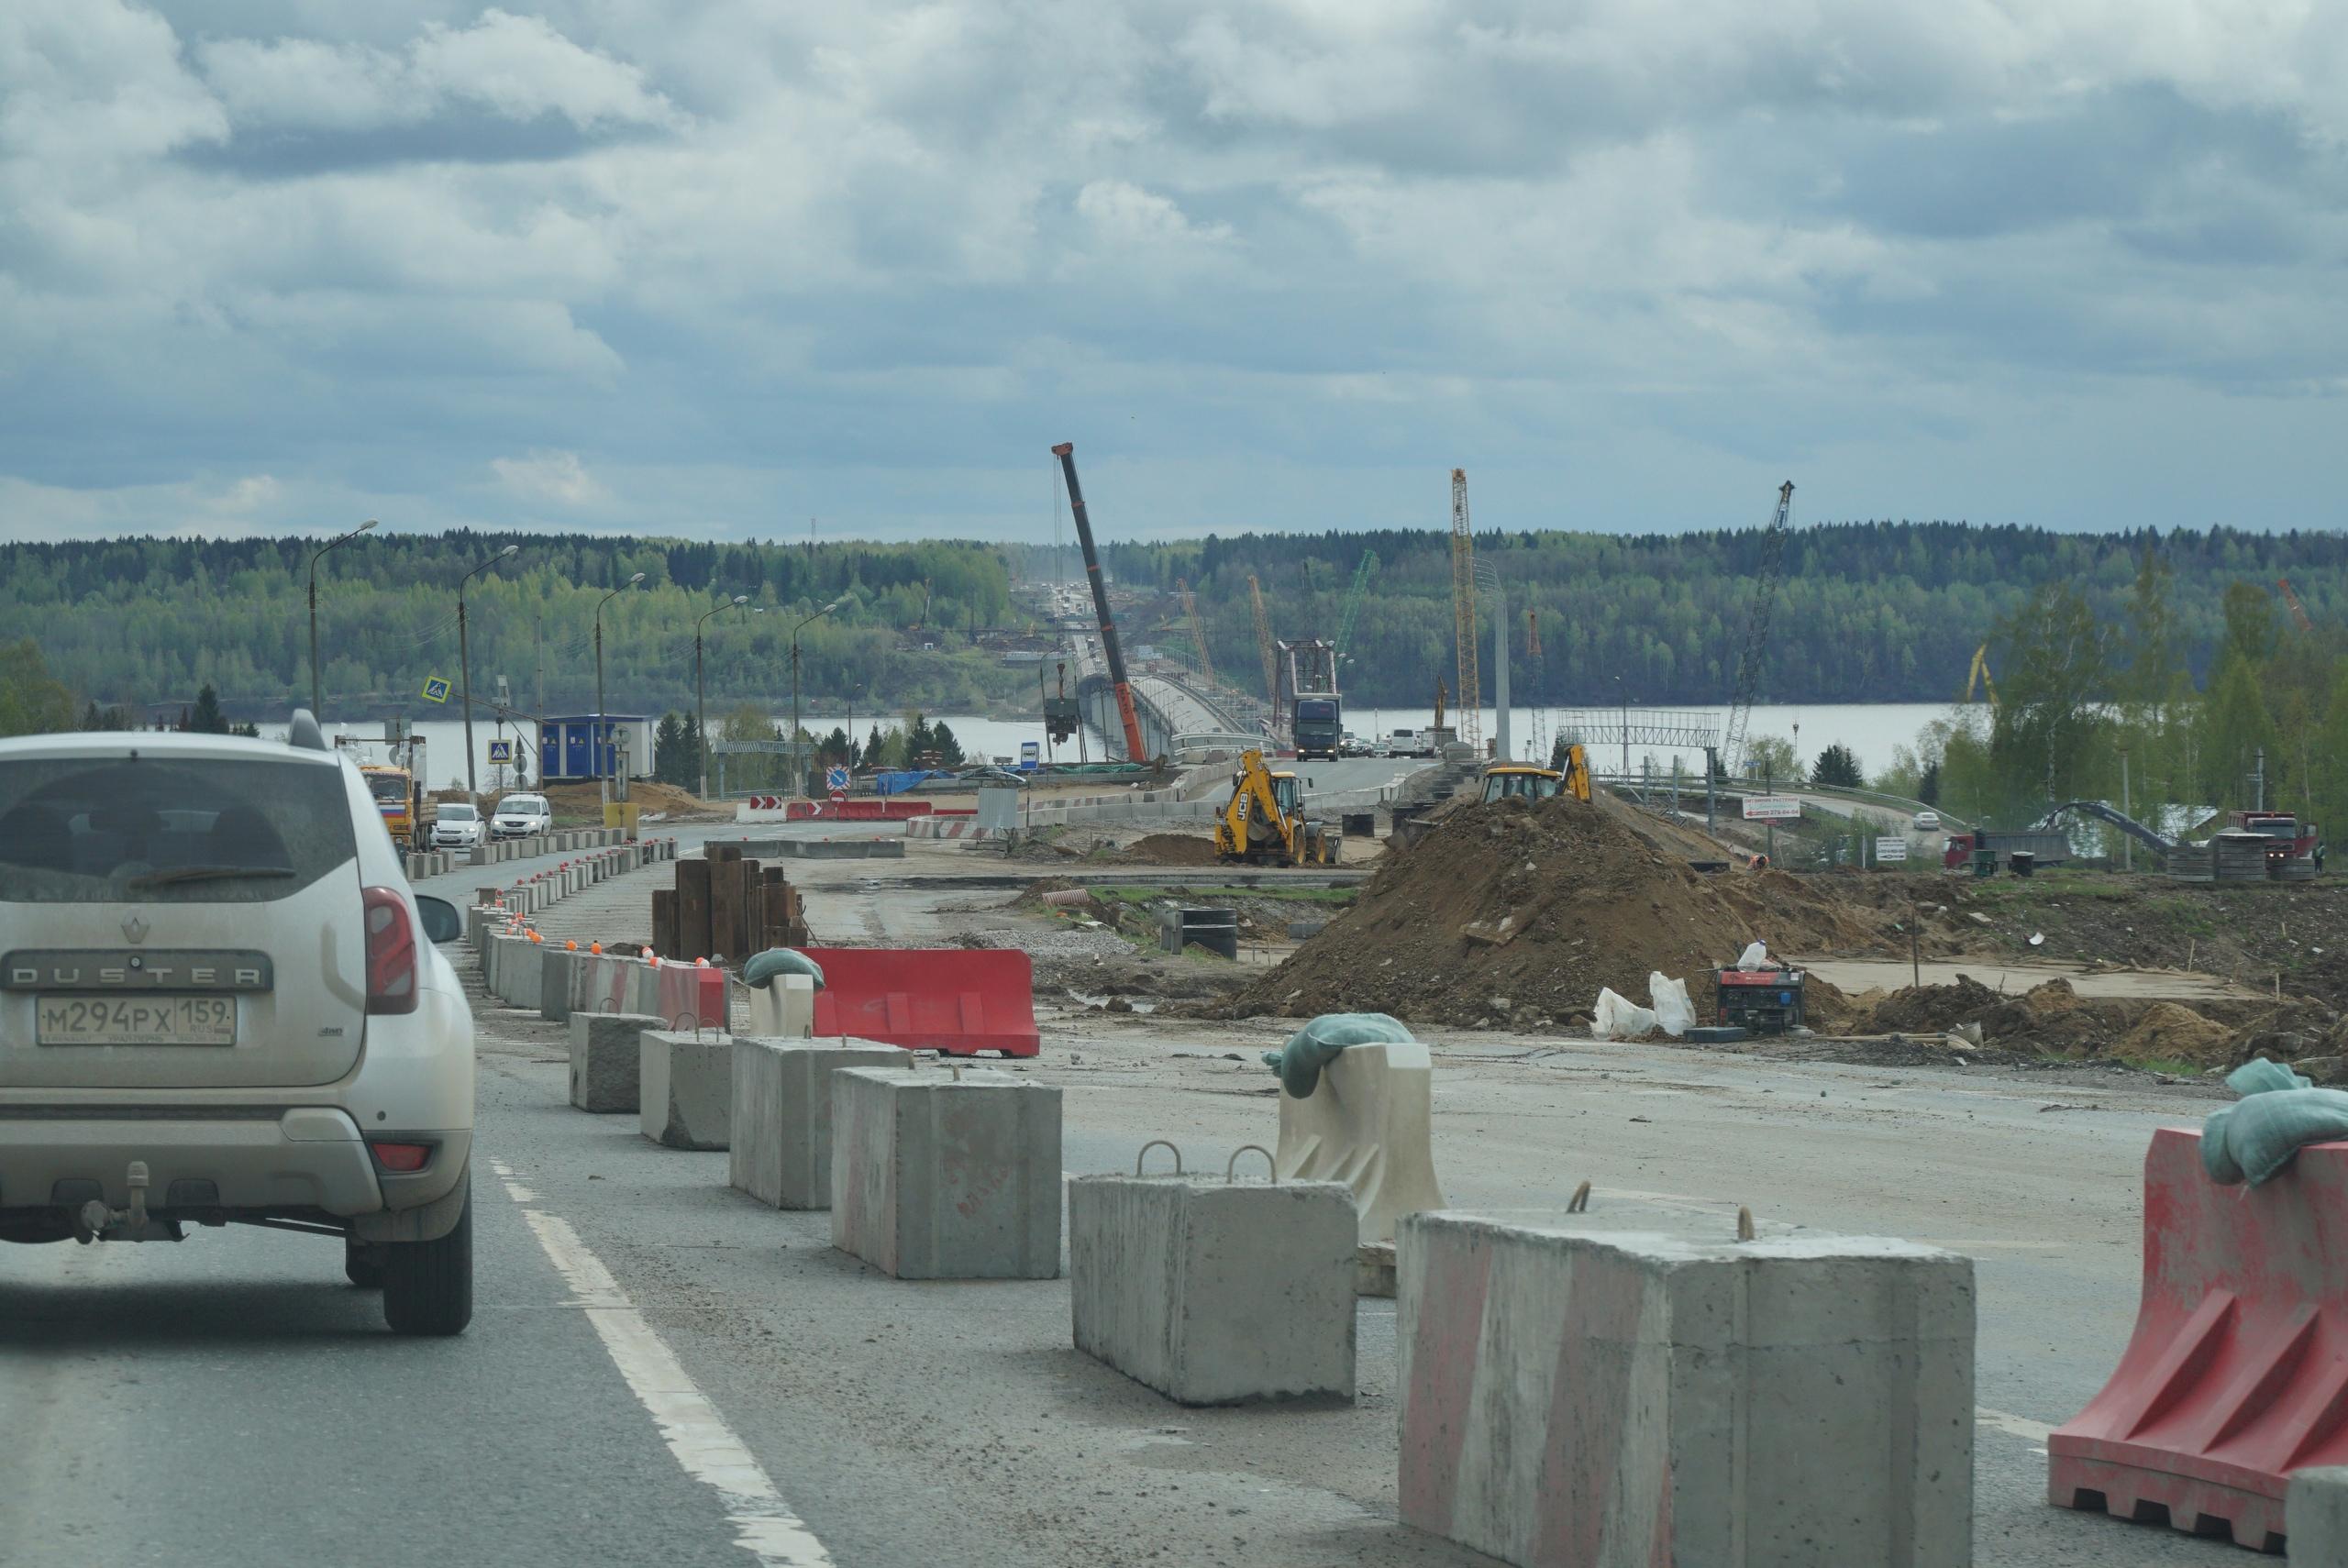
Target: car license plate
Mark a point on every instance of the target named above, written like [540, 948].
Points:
[136, 1021]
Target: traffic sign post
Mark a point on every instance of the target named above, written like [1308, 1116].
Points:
[1890, 849]
[500, 751]
[835, 779]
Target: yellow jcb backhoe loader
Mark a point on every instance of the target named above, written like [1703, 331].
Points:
[1265, 824]
[1522, 781]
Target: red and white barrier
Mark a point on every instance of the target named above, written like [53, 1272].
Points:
[2237, 1373]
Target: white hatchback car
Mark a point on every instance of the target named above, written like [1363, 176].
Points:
[220, 1003]
[518, 816]
[456, 825]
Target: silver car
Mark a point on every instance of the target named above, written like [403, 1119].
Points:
[518, 816]
[456, 825]
[221, 1003]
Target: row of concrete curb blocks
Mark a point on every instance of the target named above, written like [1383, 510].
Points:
[1214, 1291]
[947, 1173]
[2314, 1517]
[536, 978]
[1653, 1398]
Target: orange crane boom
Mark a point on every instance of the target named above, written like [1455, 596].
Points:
[2298, 611]
[1134, 750]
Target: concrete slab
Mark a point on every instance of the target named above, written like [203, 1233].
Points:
[558, 973]
[781, 1131]
[1577, 1395]
[947, 1173]
[685, 1088]
[607, 1059]
[1214, 1292]
[784, 1008]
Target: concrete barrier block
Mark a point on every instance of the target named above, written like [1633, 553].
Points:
[685, 1088]
[783, 1008]
[607, 1059]
[1214, 1292]
[1369, 1123]
[940, 1173]
[557, 974]
[2315, 1516]
[1580, 1395]
[781, 1132]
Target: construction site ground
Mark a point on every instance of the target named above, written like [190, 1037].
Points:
[977, 1435]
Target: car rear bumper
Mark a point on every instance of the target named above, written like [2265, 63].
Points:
[267, 1161]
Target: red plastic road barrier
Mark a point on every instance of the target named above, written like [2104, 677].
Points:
[843, 811]
[2237, 1374]
[961, 1000]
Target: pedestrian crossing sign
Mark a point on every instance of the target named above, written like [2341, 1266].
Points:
[436, 688]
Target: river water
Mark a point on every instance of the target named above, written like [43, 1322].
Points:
[1870, 729]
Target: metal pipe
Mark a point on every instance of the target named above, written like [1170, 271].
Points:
[465, 660]
[317, 699]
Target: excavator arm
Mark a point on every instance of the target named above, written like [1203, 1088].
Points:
[1577, 779]
[1251, 789]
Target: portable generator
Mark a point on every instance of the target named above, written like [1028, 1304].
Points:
[1759, 1001]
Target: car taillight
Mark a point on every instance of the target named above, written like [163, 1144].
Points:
[401, 1157]
[391, 953]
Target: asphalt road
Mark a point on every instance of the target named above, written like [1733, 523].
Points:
[662, 1370]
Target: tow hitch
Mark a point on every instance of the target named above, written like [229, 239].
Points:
[95, 1222]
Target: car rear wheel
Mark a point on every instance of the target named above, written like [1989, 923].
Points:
[428, 1285]
[362, 1264]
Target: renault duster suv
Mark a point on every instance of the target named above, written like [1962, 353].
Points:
[220, 1004]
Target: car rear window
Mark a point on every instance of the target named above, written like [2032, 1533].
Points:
[522, 803]
[153, 830]
[455, 813]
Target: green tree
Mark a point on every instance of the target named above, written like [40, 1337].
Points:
[31, 701]
[2235, 731]
[1838, 767]
[207, 719]
[2049, 739]
[676, 751]
[942, 741]
[1772, 757]
[2330, 789]
[2250, 623]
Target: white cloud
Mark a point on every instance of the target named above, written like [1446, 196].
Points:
[379, 249]
[559, 477]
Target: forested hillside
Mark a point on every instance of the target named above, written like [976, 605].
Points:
[145, 623]
[1867, 612]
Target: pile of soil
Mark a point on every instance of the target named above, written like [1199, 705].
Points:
[1171, 849]
[2168, 1032]
[1512, 913]
[2048, 1017]
[585, 802]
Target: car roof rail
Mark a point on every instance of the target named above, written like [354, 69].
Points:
[303, 730]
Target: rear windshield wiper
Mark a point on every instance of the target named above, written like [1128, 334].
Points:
[207, 874]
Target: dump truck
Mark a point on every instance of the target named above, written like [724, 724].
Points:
[1265, 824]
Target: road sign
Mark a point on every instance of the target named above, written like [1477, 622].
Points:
[1890, 849]
[436, 688]
[500, 751]
[1771, 808]
[835, 780]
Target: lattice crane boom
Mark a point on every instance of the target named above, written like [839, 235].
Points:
[1469, 719]
[1198, 631]
[1757, 631]
[1362, 574]
[1263, 643]
[2298, 611]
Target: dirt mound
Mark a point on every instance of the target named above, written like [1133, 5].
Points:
[1171, 849]
[1511, 912]
[1928, 1009]
[2168, 1032]
[584, 803]
[2050, 1016]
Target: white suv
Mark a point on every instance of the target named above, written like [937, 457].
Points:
[518, 816]
[220, 1003]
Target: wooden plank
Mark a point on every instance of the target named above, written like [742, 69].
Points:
[664, 921]
[692, 909]
[754, 913]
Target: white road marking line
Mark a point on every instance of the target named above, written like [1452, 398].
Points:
[696, 1433]
[2013, 1426]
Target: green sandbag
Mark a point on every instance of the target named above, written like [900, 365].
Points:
[764, 966]
[2280, 1112]
[1314, 1047]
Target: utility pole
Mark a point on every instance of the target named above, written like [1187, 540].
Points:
[465, 660]
[701, 698]
[600, 734]
[317, 698]
[2258, 781]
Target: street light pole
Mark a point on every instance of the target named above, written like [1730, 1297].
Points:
[465, 661]
[317, 699]
[701, 701]
[798, 769]
[602, 728]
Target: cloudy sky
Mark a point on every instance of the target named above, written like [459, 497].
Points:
[717, 267]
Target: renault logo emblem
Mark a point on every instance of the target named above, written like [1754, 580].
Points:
[133, 928]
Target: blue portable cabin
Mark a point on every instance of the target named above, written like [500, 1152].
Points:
[576, 747]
